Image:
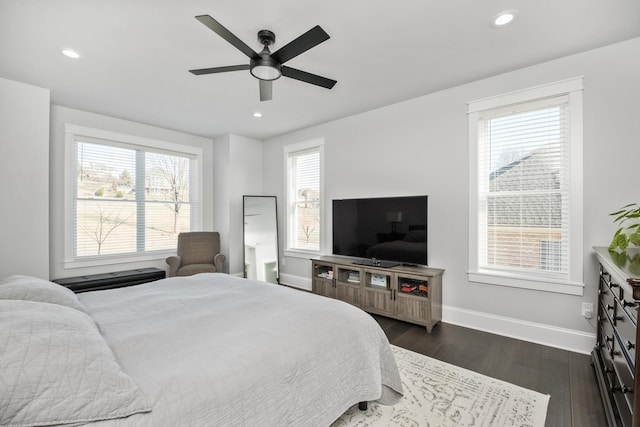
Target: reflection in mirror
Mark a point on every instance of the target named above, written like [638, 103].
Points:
[260, 238]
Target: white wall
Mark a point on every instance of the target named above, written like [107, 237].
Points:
[421, 147]
[60, 116]
[24, 179]
[238, 171]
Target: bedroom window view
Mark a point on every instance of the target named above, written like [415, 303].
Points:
[303, 198]
[130, 201]
[524, 188]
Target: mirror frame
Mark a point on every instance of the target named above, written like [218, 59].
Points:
[244, 254]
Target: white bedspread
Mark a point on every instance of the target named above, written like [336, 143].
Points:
[216, 350]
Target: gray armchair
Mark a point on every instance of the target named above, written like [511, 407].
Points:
[198, 252]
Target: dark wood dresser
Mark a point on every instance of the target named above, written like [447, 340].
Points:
[615, 359]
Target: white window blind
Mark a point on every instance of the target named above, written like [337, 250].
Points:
[130, 200]
[303, 199]
[524, 188]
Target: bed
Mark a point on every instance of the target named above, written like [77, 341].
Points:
[209, 349]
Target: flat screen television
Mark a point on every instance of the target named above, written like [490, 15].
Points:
[381, 231]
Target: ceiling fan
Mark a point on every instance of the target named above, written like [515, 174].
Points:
[267, 66]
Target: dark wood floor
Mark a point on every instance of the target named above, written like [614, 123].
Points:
[568, 377]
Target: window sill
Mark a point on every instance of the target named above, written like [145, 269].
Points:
[523, 282]
[299, 253]
[115, 260]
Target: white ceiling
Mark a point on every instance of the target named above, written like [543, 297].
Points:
[136, 53]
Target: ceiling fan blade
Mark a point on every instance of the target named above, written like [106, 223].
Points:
[311, 38]
[266, 90]
[303, 76]
[219, 29]
[219, 69]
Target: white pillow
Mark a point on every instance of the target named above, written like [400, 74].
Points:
[33, 289]
[56, 368]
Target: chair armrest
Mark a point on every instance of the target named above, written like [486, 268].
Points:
[218, 261]
[174, 262]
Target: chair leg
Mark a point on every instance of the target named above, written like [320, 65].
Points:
[362, 406]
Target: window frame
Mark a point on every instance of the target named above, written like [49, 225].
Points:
[573, 285]
[288, 150]
[73, 135]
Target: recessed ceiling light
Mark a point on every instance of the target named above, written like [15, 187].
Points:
[504, 18]
[257, 114]
[70, 53]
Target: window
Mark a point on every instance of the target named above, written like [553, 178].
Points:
[526, 190]
[304, 196]
[127, 197]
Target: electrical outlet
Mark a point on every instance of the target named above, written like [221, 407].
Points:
[587, 310]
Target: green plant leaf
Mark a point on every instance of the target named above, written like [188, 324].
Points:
[619, 241]
[614, 241]
[621, 217]
[626, 234]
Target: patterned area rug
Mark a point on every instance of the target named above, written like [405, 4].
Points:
[437, 394]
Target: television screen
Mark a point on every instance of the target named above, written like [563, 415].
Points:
[384, 228]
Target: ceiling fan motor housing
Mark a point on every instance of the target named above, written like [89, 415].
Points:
[266, 37]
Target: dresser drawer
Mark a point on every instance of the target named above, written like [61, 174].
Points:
[607, 300]
[623, 373]
[610, 283]
[630, 306]
[621, 400]
[608, 338]
[626, 330]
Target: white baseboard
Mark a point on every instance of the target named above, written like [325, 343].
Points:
[553, 336]
[296, 281]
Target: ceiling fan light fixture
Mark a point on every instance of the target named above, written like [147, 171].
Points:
[265, 69]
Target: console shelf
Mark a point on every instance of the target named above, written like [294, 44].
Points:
[412, 294]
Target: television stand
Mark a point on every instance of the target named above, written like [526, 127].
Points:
[411, 294]
[373, 262]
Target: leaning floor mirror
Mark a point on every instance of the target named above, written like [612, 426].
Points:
[261, 254]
